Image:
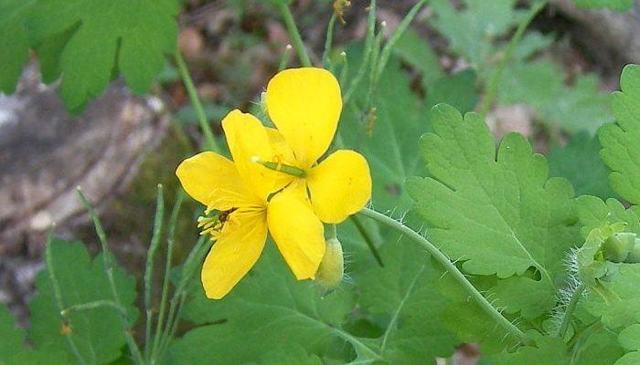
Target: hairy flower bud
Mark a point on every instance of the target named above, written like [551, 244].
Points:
[331, 270]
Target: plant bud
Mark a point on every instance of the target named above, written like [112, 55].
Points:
[634, 255]
[331, 270]
[617, 247]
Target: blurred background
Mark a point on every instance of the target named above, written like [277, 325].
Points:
[123, 145]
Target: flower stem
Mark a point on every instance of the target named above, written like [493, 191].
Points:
[367, 239]
[148, 272]
[492, 87]
[294, 34]
[195, 102]
[571, 307]
[443, 260]
[107, 258]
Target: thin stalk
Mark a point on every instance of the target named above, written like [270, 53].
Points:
[173, 221]
[328, 43]
[294, 34]
[571, 307]
[344, 72]
[211, 142]
[368, 47]
[367, 239]
[107, 259]
[492, 87]
[148, 273]
[93, 305]
[395, 37]
[57, 295]
[284, 60]
[443, 260]
[194, 258]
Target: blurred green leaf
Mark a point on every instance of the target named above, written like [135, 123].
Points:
[14, 42]
[620, 5]
[457, 90]
[97, 332]
[620, 148]
[104, 39]
[548, 351]
[417, 52]
[617, 302]
[580, 163]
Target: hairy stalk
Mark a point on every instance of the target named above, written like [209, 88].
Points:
[107, 258]
[492, 87]
[211, 142]
[443, 260]
[571, 307]
[173, 221]
[57, 295]
[148, 272]
[294, 34]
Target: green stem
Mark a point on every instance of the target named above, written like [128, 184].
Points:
[571, 307]
[492, 87]
[107, 258]
[367, 239]
[148, 273]
[328, 43]
[173, 221]
[294, 34]
[443, 260]
[284, 61]
[57, 295]
[195, 102]
[368, 48]
[93, 305]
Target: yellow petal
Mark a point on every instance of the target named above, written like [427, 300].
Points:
[339, 186]
[297, 232]
[281, 149]
[248, 140]
[214, 181]
[305, 105]
[235, 252]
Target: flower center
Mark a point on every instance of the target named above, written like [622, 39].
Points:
[281, 167]
[211, 222]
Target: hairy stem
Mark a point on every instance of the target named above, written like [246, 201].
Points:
[443, 260]
[571, 307]
[294, 34]
[195, 102]
[492, 87]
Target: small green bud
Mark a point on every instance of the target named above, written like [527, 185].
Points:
[618, 246]
[331, 270]
[634, 255]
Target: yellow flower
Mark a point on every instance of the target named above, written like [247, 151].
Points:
[305, 105]
[236, 194]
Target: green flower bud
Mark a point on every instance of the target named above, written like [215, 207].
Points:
[331, 270]
[634, 255]
[617, 247]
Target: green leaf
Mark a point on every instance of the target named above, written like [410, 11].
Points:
[103, 39]
[620, 5]
[600, 348]
[14, 42]
[12, 336]
[580, 163]
[389, 139]
[617, 300]
[98, 332]
[471, 31]
[630, 337]
[265, 310]
[581, 107]
[632, 358]
[293, 355]
[457, 90]
[595, 213]
[620, 148]
[497, 213]
[403, 296]
[548, 351]
[417, 52]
